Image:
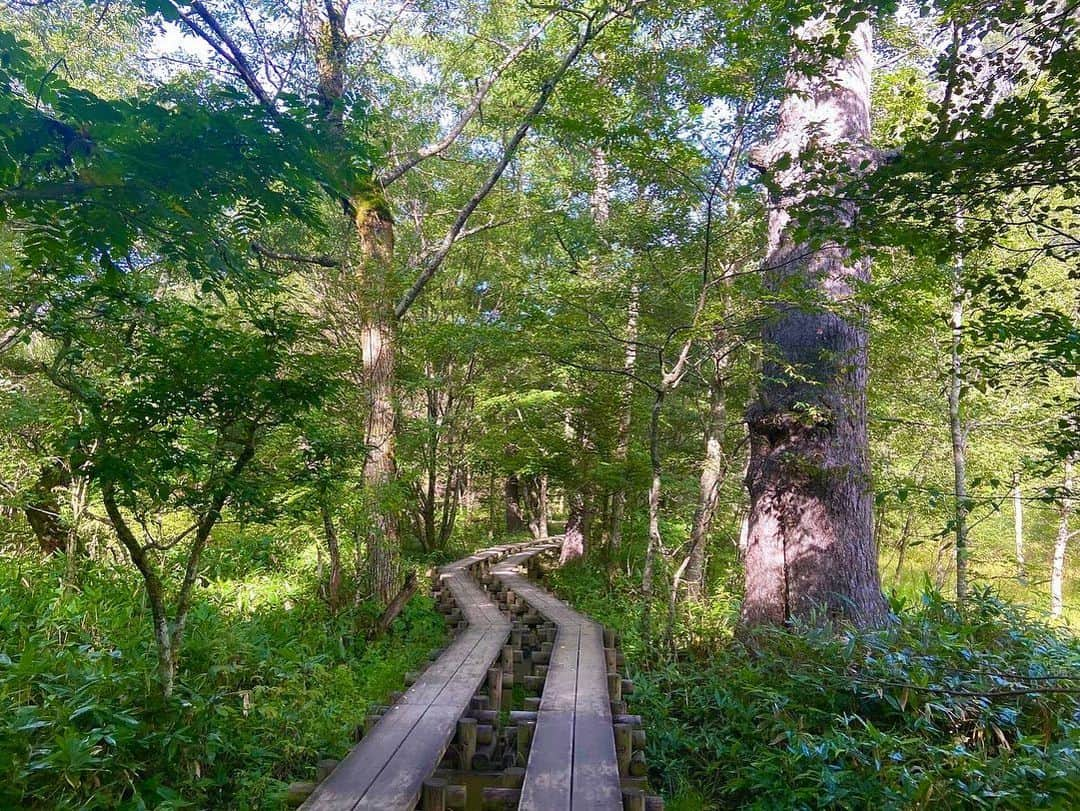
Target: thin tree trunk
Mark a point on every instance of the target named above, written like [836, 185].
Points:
[1018, 528]
[543, 512]
[905, 535]
[810, 551]
[493, 499]
[673, 603]
[656, 542]
[669, 381]
[155, 590]
[622, 446]
[712, 475]
[80, 493]
[333, 547]
[395, 605]
[1065, 512]
[428, 495]
[575, 538]
[455, 486]
[959, 439]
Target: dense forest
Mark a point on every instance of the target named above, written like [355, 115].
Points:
[768, 312]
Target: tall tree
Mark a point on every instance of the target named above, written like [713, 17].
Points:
[810, 550]
[367, 228]
[1066, 500]
[958, 432]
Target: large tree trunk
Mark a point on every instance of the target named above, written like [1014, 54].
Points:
[712, 474]
[958, 433]
[368, 265]
[573, 545]
[378, 343]
[1065, 512]
[810, 551]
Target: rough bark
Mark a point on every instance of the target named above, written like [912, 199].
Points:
[1065, 513]
[536, 502]
[573, 545]
[515, 517]
[810, 549]
[378, 338]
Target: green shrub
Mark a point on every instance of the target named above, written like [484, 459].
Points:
[270, 682]
[940, 711]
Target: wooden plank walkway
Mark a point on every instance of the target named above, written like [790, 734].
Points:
[386, 770]
[572, 764]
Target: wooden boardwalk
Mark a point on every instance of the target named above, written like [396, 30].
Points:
[572, 764]
[423, 751]
[387, 769]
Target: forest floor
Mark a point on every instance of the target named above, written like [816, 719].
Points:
[941, 711]
[270, 682]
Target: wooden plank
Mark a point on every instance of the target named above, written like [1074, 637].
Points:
[358, 771]
[574, 739]
[548, 774]
[560, 686]
[400, 781]
[387, 769]
[596, 771]
[433, 680]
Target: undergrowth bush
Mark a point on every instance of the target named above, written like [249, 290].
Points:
[943, 710]
[269, 683]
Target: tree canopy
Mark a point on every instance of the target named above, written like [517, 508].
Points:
[770, 312]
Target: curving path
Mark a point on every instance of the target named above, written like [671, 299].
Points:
[423, 751]
[386, 770]
[572, 762]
